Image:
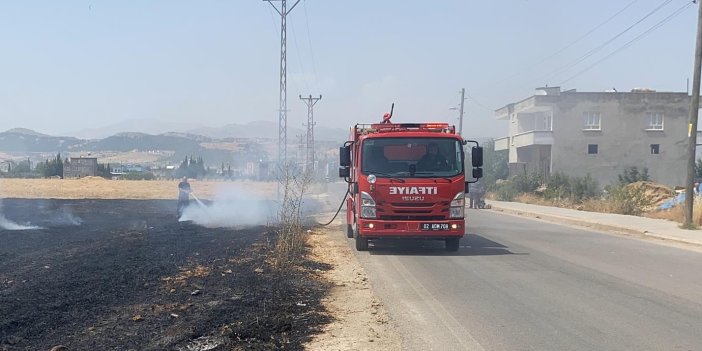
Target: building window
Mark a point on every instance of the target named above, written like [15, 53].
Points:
[655, 149]
[592, 149]
[655, 121]
[592, 121]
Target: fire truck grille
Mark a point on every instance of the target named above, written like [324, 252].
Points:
[413, 204]
[412, 218]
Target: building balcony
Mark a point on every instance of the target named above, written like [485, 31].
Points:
[532, 138]
[502, 144]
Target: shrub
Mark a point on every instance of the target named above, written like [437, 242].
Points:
[628, 200]
[290, 244]
[506, 191]
[526, 182]
[139, 176]
[632, 175]
[575, 189]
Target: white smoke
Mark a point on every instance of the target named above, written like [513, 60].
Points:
[65, 217]
[233, 206]
[62, 217]
[7, 224]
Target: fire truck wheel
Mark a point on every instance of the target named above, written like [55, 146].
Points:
[349, 231]
[361, 243]
[452, 244]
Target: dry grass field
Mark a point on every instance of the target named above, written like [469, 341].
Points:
[99, 188]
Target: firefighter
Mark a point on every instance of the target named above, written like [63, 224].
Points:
[477, 191]
[183, 195]
[433, 160]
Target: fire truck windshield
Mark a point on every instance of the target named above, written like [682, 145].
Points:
[412, 157]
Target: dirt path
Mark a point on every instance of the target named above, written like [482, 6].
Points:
[360, 321]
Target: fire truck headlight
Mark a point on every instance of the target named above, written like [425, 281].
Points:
[458, 206]
[367, 206]
[366, 199]
[368, 212]
[372, 178]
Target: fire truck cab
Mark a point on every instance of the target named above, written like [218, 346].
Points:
[406, 180]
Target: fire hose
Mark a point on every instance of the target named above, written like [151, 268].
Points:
[338, 210]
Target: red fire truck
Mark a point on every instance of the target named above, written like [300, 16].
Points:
[406, 180]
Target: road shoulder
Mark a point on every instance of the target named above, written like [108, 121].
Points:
[656, 230]
[360, 321]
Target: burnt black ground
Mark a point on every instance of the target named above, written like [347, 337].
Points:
[118, 280]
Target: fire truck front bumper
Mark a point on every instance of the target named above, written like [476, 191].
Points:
[375, 229]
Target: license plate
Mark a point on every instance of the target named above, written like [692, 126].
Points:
[435, 226]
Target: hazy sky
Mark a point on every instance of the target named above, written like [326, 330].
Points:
[69, 65]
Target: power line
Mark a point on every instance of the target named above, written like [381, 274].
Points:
[579, 39]
[309, 39]
[299, 58]
[590, 31]
[632, 41]
[609, 41]
[479, 104]
[276, 31]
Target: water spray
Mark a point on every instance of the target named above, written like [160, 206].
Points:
[198, 200]
[231, 207]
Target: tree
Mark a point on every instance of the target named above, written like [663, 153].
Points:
[21, 167]
[51, 168]
[633, 175]
[192, 168]
[183, 168]
[103, 170]
[200, 169]
[495, 164]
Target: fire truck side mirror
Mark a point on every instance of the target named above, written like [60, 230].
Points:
[344, 172]
[477, 157]
[345, 156]
[477, 173]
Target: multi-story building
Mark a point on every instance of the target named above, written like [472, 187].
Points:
[598, 133]
[78, 167]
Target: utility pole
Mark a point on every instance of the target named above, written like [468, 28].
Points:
[460, 121]
[309, 157]
[283, 107]
[692, 127]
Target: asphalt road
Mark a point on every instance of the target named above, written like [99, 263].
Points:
[520, 284]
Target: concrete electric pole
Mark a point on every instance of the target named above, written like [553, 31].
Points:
[460, 111]
[309, 156]
[692, 127]
[460, 121]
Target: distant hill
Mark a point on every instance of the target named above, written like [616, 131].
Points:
[25, 131]
[146, 142]
[228, 148]
[25, 140]
[257, 129]
[148, 126]
[269, 130]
